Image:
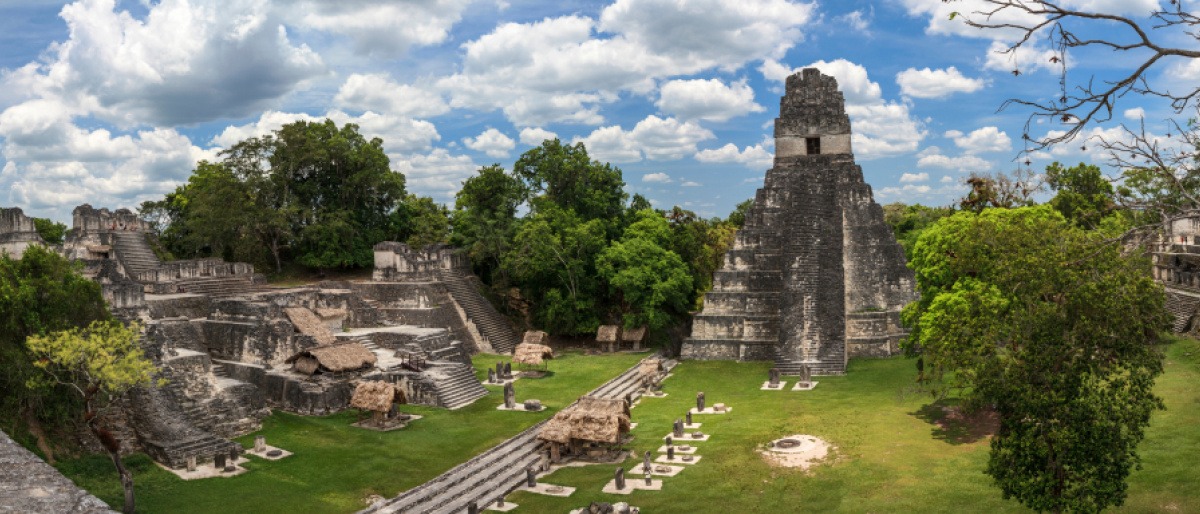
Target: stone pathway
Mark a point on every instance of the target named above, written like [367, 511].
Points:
[491, 474]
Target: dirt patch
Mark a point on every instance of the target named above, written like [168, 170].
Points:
[796, 451]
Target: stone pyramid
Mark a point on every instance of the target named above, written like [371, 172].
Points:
[815, 276]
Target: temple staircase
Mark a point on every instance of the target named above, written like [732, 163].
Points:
[456, 384]
[490, 323]
[134, 252]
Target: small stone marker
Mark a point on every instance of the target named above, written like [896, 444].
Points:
[492, 376]
[472, 508]
[274, 453]
[774, 377]
[219, 461]
[689, 417]
[533, 405]
[507, 370]
[670, 453]
[648, 480]
[678, 428]
[500, 502]
[260, 444]
[805, 374]
[500, 370]
[700, 401]
[668, 440]
[233, 454]
[530, 478]
[646, 463]
[191, 463]
[620, 479]
[510, 398]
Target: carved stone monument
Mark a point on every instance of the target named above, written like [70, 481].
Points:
[492, 376]
[620, 478]
[688, 417]
[773, 381]
[678, 428]
[510, 398]
[260, 444]
[815, 275]
[700, 401]
[508, 370]
[530, 478]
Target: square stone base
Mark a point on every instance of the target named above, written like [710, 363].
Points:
[208, 470]
[263, 455]
[519, 407]
[710, 410]
[687, 438]
[662, 459]
[632, 484]
[692, 426]
[507, 507]
[801, 386]
[678, 450]
[778, 387]
[544, 488]
[669, 471]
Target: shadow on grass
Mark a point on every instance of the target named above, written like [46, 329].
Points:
[953, 425]
[536, 374]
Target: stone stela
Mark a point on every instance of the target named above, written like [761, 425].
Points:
[815, 276]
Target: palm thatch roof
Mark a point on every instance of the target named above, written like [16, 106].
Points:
[607, 333]
[633, 335]
[309, 324]
[592, 418]
[534, 337]
[532, 354]
[377, 396]
[650, 367]
[335, 358]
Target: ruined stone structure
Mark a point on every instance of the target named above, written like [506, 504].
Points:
[815, 276]
[228, 345]
[17, 233]
[1176, 259]
[29, 485]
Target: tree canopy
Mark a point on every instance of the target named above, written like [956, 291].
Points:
[1024, 312]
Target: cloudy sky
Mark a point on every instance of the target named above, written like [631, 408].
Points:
[112, 103]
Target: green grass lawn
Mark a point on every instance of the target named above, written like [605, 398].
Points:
[889, 456]
[337, 465]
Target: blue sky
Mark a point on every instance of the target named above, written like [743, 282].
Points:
[112, 103]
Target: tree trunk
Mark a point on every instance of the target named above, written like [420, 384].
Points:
[35, 428]
[126, 482]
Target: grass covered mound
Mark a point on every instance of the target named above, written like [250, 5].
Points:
[894, 452]
[337, 465]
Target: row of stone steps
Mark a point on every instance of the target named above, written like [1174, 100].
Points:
[1182, 307]
[459, 388]
[204, 448]
[134, 252]
[490, 323]
[218, 287]
[494, 473]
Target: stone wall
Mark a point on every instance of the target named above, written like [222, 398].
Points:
[28, 484]
[17, 232]
[396, 262]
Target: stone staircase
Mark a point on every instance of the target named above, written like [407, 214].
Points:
[490, 323]
[204, 448]
[492, 474]
[134, 252]
[1182, 307]
[218, 287]
[457, 386]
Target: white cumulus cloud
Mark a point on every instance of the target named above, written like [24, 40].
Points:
[708, 99]
[376, 92]
[929, 83]
[982, 140]
[653, 138]
[914, 177]
[491, 142]
[754, 157]
[657, 178]
[533, 136]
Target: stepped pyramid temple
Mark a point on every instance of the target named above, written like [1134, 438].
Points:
[815, 276]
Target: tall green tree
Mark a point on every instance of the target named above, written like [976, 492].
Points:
[653, 282]
[101, 364]
[51, 231]
[552, 260]
[1083, 195]
[564, 175]
[1023, 312]
[485, 218]
[429, 221]
[41, 292]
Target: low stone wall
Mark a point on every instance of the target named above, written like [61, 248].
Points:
[27, 484]
[700, 349]
[396, 262]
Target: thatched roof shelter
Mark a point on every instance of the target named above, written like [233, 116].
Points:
[377, 396]
[607, 333]
[650, 367]
[532, 354]
[633, 335]
[333, 358]
[601, 420]
[308, 323]
[534, 337]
